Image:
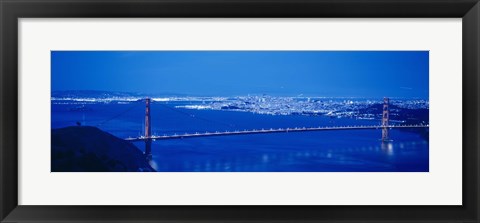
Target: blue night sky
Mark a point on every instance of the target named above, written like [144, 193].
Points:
[232, 73]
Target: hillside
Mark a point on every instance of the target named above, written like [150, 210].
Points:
[89, 149]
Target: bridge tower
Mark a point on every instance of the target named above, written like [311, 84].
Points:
[385, 118]
[148, 130]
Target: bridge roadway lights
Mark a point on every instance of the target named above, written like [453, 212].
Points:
[143, 138]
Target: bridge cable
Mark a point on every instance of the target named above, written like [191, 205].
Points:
[118, 114]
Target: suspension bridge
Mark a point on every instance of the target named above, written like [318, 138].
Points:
[148, 137]
[271, 130]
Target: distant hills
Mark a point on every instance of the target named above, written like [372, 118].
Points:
[93, 94]
[410, 116]
[108, 94]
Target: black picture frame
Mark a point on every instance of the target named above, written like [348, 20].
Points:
[12, 10]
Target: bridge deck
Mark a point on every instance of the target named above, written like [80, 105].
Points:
[265, 131]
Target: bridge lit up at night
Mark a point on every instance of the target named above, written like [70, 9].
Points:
[271, 130]
[148, 137]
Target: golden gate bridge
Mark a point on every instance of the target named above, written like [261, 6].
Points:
[148, 138]
[271, 130]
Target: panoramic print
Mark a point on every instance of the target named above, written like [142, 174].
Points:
[239, 111]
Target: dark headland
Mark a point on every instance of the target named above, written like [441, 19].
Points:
[89, 149]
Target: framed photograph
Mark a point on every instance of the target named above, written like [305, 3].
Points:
[225, 111]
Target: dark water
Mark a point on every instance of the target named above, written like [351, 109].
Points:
[323, 151]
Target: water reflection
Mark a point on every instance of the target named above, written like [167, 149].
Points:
[360, 158]
[387, 147]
